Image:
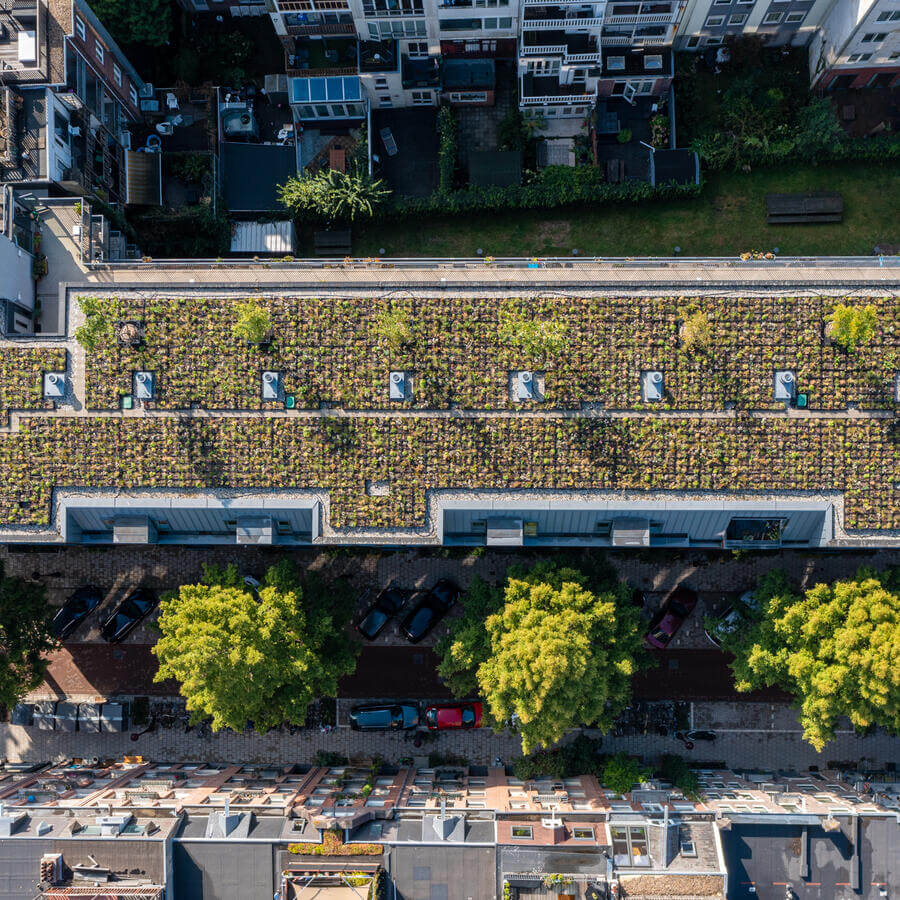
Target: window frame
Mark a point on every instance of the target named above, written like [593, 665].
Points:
[740, 17]
[714, 21]
[527, 835]
[99, 51]
[80, 28]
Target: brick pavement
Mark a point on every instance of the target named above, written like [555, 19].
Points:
[772, 741]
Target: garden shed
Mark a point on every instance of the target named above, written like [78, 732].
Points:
[254, 238]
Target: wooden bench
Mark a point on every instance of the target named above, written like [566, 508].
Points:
[332, 243]
[795, 209]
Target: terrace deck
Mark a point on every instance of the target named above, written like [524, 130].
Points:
[722, 432]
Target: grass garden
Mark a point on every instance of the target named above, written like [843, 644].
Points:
[461, 351]
[21, 381]
[860, 457]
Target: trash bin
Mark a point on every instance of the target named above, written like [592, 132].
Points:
[22, 714]
[66, 716]
[45, 715]
[112, 717]
[89, 717]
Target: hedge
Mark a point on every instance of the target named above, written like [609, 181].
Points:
[553, 186]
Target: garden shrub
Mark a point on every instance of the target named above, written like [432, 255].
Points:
[97, 326]
[253, 324]
[394, 328]
[674, 769]
[695, 332]
[852, 326]
[622, 772]
[448, 149]
[581, 757]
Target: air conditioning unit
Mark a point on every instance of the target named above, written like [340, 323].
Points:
[525, 386]
[652, 386]
[397, 386]
[54, 385]
[146, 91]
[144, 387]
[785, 386]
[271, 385]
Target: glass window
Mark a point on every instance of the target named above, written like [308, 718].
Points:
[133, 94]
[615, 63]
[714, 21]
[79, 28]
[582, 834]
[737, 19]
[521, 832]
[755, 530]
[98, 49]
[772, 18]
[653, 62]
[117, 74]
[793, 17]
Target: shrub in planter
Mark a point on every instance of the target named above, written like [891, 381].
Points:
[624, 136]
[852, 326]
[253, 324]
[695, 332]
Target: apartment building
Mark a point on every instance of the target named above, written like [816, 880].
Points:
[857, 46]
[209, 830]
[67, 97]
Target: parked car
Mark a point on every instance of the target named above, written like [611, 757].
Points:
[665, 624]
[76, 609]
[388, 603]
[388, 717]
[736, 615]
[428, 608]
[454, 715]
[128, 613]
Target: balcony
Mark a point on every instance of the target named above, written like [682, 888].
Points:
[654, 19]
[538, 90]
[574, 47]
[378, 56]
[322, 28]
[558, 17]
[332, 56]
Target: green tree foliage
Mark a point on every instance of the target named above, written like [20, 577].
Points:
[560, 655]
[696, 331]
[852, 326]
[147, 22]
[467, 645]
[538, 338]
[622, 772]
[448, 149]
[97, 326]
[239, 656]
[394, 328]
[25, 636]
[836, 649]
[331, 196]
[254, 324]
[674, 769]
[581, 757]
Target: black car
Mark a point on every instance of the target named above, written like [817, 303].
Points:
[388, 603]
[428, 609]
[391, 717]
[128, 613]
[76, 609]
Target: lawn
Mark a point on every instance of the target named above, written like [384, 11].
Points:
[727, 219]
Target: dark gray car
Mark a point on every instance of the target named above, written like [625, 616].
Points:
[386, 717]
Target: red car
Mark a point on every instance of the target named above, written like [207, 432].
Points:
[665, 624]
[457, 715]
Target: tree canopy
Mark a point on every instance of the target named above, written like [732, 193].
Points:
[554, 653]
[148, 22]
[331, 196]
[836, 649]
[25, 636]
[262, 657]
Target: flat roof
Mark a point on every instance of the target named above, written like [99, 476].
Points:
[253, 173]
[718, 432]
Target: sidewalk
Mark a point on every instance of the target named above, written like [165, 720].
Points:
[778, 749]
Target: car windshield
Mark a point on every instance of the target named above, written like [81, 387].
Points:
[421, 619]
[141, 602]
[676, 607]
[431, 717]
[375, 619]
[468, 716]
[397, 717]
[661, 636]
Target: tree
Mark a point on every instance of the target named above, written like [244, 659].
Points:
[331, 196]
[254, 324]
[559, 655]
[97, 326]
[695, 331]
[836, 649]
[148, 22]
[852, 326]
[25, 636]
[622, 772]
[467, 645]
[241, 656]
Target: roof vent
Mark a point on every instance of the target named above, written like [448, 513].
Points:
[397, 385]
[785, 386]
[526, 386]
[110, 826]
[652, 386]
[271, 385]
[54, 385]
[144, 386]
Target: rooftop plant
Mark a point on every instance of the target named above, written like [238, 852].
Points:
[254, 324]
[852, 326]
